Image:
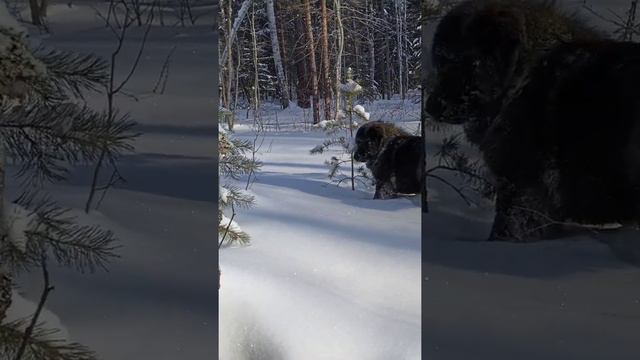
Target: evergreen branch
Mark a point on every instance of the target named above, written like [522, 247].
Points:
[14, 258]
[69, 71]
[41, 345]
[43, 139]
[226, 228]
[236, 165]
[319, 149]
[230, 232]
[84, 247]
[236, 198]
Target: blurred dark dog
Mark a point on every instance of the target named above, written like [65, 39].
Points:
[395, 158]
[552, 105]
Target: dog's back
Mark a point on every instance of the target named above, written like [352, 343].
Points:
[401, 162]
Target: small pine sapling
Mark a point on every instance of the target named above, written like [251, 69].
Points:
[340, 134]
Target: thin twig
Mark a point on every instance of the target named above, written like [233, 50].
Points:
[226, 231]
[455, 188]
[47, 288]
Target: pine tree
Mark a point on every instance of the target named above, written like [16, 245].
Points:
[340, 134]
[44, 130]
[233, 163]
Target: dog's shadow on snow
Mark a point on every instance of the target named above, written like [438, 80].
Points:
[457, 239]
[318, 185]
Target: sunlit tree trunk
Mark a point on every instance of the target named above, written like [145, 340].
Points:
[275, 46]
[312, 61]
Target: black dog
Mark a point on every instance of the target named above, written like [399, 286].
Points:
[395, 158]
[553, 107]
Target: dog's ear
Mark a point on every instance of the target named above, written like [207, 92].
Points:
[499, 34]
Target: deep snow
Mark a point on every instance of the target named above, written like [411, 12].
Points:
[330, 273]
[158, 300]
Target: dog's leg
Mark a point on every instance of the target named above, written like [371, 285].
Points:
[377, 193]
[384, 190]
[524, 215]
[500, 228]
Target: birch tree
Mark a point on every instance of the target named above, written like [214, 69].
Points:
[231, 36]
[277, 59]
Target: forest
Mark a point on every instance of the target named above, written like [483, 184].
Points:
[298, 51]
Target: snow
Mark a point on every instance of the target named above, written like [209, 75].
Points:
[158, 299]
[350, 87]
[8, 21]
[17, 220]
[223, 194]
[330, 272]
[359, 109]
[324, 124]
[229, 224]
[22, 308]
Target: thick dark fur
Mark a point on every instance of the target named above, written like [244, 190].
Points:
[395, 158]
[557, 120]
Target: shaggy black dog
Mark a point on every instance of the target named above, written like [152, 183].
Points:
[395, 158]
[553, 107]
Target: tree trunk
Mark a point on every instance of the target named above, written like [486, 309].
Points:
[340, 28]
[302, 69]
[400, 47]
[275, 46]
[387, 64]
[43, 8]
[234, 30]
[228, 46]
[283, 46]
[312, 61]
[372, 50]
[256, 79]
[36, 17]
[326, 85]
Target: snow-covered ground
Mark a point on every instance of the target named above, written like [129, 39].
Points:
[561, 299]
[158, 300]
[330, 273]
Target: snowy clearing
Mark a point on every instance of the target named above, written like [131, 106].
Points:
[330, 272]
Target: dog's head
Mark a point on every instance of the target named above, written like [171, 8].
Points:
[368, 142]
[475, 53]
[371, 137]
